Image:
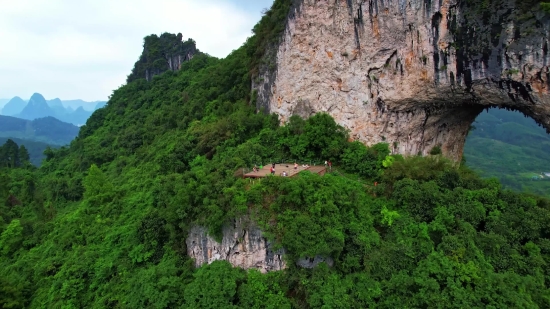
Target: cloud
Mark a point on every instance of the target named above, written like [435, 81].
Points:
[85, 49]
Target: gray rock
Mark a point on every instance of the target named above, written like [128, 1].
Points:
[242, 245]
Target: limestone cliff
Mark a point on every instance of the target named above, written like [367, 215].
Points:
[161, 54]
[242, 245]
[413, 73]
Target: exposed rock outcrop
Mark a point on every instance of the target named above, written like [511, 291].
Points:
[161, 54]
[243, 245]
[413, 73]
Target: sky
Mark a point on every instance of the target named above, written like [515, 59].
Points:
[84, 49]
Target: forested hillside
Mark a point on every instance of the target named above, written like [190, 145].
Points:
[511, 147]
[47, 130]
[102, 223]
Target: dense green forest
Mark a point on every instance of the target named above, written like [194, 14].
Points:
[511, 147]
[102, 223]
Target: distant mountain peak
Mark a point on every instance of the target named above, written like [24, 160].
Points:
[38, 100]
[36, 108]
[14, 106]
[75, 111]
[55, 103]
[37, 97]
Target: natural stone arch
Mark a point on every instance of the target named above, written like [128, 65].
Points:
[412, 73]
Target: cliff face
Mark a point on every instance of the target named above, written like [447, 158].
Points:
[161, 54]
[242, 245]
[413, 73]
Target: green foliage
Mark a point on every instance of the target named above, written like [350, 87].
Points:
[215, 286]
[263, 291]
[160, 53]
[545, 6]
[11, 237]
[34, 149]
[267, 32]
[388, 161]
[98, 190]
[365, 161]
[9, 155]
[388, 216]
[436, 150]
[24, 154]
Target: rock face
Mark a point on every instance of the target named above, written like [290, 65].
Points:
[413, 73]
[161, 54]
[242, 245]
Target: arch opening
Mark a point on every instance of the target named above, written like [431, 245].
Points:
[508, 144]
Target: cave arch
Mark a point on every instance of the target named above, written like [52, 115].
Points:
[415, 76]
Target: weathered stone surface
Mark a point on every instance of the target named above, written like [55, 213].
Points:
[162, 53]
[413, 73]
[242, 245]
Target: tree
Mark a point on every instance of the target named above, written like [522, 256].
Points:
[9, 154]
[24, 154]
[215, 286]
[98, 188]
[11, 237]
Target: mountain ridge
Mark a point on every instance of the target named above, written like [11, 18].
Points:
[48, 130]
[39, 107]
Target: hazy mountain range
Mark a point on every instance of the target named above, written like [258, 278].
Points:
[71, 111]
[46, 129]
[38, 123]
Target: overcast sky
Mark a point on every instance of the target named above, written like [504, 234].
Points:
[84, 49]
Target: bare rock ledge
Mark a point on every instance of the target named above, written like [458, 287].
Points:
[243, 246]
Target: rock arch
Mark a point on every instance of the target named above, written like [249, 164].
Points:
[413, 73]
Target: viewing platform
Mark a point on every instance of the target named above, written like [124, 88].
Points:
[285, 167]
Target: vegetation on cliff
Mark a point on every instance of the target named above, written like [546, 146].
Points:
[162, 53]
[102, 223]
